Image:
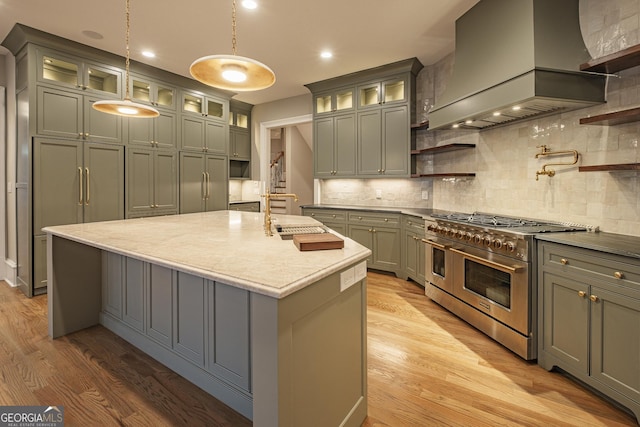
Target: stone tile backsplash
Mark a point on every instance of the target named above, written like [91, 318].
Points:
[504, 158]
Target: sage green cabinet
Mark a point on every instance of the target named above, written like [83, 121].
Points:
[335, 219]
[157, 132]
[339, 100]
[239, 140]
[590, 319]
[80, 74]
[152, 92]
[413, 253]
[136, 275]
[189, 305]
[200, 134]
[383, 142]
[334, 140]
[211, 107]
[381, 234]
[245, 206]
[203, 182]
[388, 91]
[66, 114]
[152, 182]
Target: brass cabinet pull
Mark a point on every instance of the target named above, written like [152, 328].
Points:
[432, 243]
[80, 191]
[203, 191]
[582, 294]
[88, 185]
[594, 298]
[480, 260]
[208, 185]
[564, 261]
[618, 275]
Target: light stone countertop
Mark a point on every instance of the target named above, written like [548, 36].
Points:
[226, 246]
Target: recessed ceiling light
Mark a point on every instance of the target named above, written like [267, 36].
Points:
[326, 54]
[496, 114]
[516, 107]
[148, 54]
[249, 4]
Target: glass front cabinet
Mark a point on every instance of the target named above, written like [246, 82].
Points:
[147, 91]
[206, 106]
[338, 101]
[382, 93]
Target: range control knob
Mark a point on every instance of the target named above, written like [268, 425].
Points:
[497, 243]
[431, 227]
[452, 232]
[487, 240]
[477, 239]
[460, 234]
[468, 236]
[511, 247]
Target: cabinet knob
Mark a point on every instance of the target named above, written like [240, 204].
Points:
[618, 275]
[563, 261]
[386, 220]
[80, 134]
[333, 216]
[582, 294]
[313, 214]
[594, 298]
[370, 230]
[359, 217]
[86, 135]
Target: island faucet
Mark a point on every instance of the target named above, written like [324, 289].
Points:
[267, 207]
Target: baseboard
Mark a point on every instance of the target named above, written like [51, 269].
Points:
[10, 272]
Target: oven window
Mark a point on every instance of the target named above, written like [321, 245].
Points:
[438, 262]
[488, 282]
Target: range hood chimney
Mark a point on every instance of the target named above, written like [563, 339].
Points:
[515, 59]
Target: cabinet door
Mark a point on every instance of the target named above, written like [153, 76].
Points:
[113, 279]
[160, 304]
[139, 180]
[59, 113]
[615, 344]
[565, 321]
[229, 334]
[39, 264]
[189, 317]
[193, 129]
[101, 127]
[164, 130]
[369, 143]
[140, 131]
[166, 180]
[240, 144]
[58, 180]
[104, 182]
[410, 254]
[216, 137]
[218, 185]
[136, 274]
[192, 183]
[386, 243]
[323, 147]
[345, 145]
[363, 235]
[396, 143]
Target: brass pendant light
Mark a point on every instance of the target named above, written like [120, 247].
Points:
[232, 72]
[126, 107]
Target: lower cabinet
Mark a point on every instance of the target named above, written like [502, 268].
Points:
[203, 182]
[590, 319]
[152, 182]
[413, 248]
[379, 232]
[333, 218]
[245, 206]
[202, 321]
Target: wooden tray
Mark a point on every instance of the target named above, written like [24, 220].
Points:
[317, 242]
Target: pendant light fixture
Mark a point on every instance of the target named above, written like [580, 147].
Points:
[126, 107]
[232, 72]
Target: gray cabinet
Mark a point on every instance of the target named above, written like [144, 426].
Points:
[203, 182]
[157, 132]
[239, 140]
[384, 142]
[335, 219]
[189, 305]
[198, 104]
[153, 92]
[200, 134]
[413, 254]
[590, 319]
[245, 206]
[152, 182]
[379, 232]
[66, 114]
[334, 146]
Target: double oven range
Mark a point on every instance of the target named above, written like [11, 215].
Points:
[482, 268]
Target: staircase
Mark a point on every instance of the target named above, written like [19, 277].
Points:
[278, 184]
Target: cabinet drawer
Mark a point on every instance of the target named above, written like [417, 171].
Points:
[413, 223]
[591, 265]
[327, 215]
[374, 218]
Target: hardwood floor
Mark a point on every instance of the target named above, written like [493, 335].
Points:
[426, 368]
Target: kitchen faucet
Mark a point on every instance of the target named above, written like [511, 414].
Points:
[267, 209]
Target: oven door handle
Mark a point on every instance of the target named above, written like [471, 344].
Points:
[509, 268]
[437, 245]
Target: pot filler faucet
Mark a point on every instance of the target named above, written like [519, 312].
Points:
[267, 209]
[546, 151]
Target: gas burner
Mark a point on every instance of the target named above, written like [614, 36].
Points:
[500, 221]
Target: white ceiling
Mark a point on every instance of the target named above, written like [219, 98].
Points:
[287, 35]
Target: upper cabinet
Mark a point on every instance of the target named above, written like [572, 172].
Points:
[362, 122]
[239, 140]
[206, 106]
[66, 70]
[148, 91]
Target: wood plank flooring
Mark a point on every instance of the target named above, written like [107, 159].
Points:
[426, 368]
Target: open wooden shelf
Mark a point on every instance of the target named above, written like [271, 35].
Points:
[443, 175]
[443, 148]
[610, 168]
[418, 126]
[622, 60]
[615, 118]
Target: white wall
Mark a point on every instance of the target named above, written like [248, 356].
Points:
[299, 169]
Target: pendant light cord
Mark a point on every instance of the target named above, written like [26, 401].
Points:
[233, 27]
[126, 62]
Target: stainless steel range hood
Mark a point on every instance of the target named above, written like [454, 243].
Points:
[515, 59]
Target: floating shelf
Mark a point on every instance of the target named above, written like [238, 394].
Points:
[443, 175]
[418, 126]
[615, 118]
[443, 148]
[611, 168]
[622, 60]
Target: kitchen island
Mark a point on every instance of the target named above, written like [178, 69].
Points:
[276, 333]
